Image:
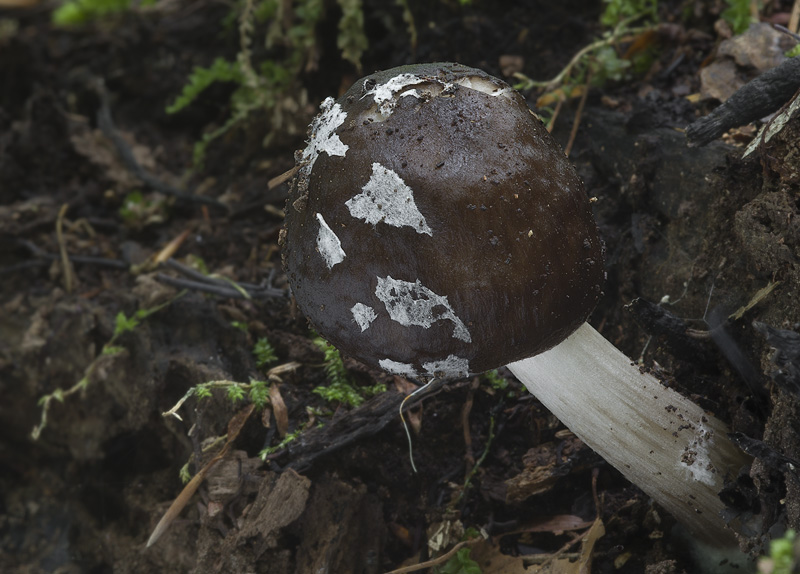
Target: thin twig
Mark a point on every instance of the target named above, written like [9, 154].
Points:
[614, 37]
[62, 247]
[480, 461]
[794, 18]
[576, 121]
[227, 292]
[552, 123]
[436, 561]
[785, 30]
[106, 125]
[285, 176]
[561, 551]
[22, 265]
[44, 258]
[217, 285]
[469, 457]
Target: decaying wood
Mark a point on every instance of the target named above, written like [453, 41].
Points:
[276, 506]
[364, 421]
[756, 99]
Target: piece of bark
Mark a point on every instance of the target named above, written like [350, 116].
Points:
[342, 529]
[367, 420]
[670, 331]
[756, 99]
[276, 506]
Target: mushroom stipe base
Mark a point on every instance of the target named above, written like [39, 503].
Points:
[658, 439]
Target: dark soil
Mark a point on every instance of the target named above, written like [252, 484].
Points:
[703, 227]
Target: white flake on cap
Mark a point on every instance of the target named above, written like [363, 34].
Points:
[452, 366]
[395, 368]
[387, 198]
[363, 315]
[387, 95]
[323, 138]
[485, 86]
[383, 94]
[413, 304]
[328, 244]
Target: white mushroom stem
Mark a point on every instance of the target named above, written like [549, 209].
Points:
[660, 440]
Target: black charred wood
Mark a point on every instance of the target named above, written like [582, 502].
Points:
[756, 99]
[669, 331]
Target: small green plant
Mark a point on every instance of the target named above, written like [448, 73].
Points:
[197, 263]
[264, 353]
[617, 11]
[600, 62]
[738, 15]
[460, 563]
[263, 81]
[259, 393]
[241, 325]
[122, 324]
[783, 556]
[185, 473]
[351, 41]
[236, 393]
[339, 388]
[201, 78]
[137, 211]
[256, 391]
[292, 436]
[74, 12]
[494, 379]
[313, 413]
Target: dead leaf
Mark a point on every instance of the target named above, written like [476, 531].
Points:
[266, 416]
[755, 300]
[596, 532]
[276, 506]
[280, 410]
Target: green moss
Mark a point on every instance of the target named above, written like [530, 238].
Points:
[76, 12]
[738, 15]
[783, 557]
[264, 353]
[460, 563]
[288, 31]
[340, 388]
[617, 11]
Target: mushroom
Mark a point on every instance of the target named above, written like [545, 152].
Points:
[436, 229]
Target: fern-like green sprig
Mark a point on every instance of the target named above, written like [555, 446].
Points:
[201, 78]
[122, 324]
[264, 353]
[339, 388]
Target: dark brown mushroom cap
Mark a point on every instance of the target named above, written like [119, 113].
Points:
[435, 227]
